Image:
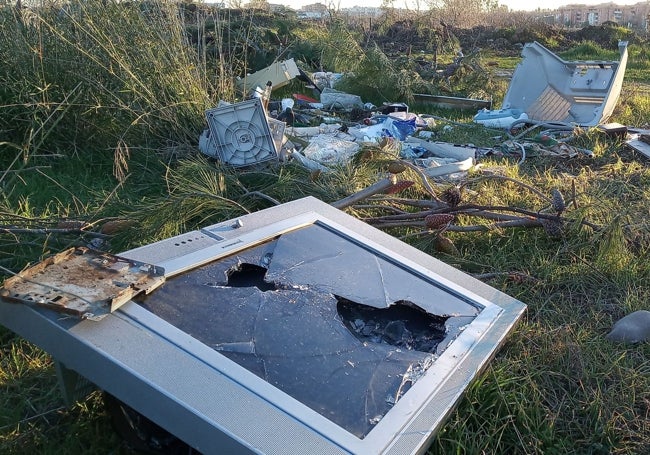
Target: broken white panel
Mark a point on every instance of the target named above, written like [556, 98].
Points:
[639, 143]
[445, 149]
[279, 73]
[550, 89]
[433, 167]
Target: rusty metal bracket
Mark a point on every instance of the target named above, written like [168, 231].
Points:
[82, 282]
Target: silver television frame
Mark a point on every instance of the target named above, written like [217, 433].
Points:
[215, 405]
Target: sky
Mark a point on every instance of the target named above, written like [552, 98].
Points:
[514, 5]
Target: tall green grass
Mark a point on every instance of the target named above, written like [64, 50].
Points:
[93, 93]
[92, 75]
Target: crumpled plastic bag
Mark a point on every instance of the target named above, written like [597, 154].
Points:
[330, 150]
[325, 151]
[399, 129]
[334, 99]
[388, 126]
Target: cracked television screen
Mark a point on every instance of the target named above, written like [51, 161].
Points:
[327, 320]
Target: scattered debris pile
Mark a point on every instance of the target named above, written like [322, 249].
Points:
[321, 134]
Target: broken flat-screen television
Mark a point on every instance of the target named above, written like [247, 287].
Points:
[296, 329]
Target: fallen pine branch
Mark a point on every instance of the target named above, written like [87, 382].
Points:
[492, 215]
[425, 181]
[388, 208]
[481, 211]
[418, 203]
[48, 231]
[529, 213]
[486, 176]
[411, 216]
[379, 187]
[524, 222]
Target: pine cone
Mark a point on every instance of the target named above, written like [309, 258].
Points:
[395, 167]
[445, 245]
[553, 228]
[451, 196]
[315, 175]
[115, 226]
[557, 201]
[438, 220]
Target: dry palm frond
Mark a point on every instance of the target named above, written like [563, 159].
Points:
[121, 156]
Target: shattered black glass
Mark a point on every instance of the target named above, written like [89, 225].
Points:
[328, 321]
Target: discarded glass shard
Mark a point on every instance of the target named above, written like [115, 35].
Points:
[82, 282]
[549, 89]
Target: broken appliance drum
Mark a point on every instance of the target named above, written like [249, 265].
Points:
[241, 134]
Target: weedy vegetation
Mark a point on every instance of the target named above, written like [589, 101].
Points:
[101, 107]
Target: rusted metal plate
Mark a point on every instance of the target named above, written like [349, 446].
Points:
[82, 282]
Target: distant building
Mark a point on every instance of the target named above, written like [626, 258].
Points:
[315, 11]
[362, 11]
[279, 8]
[314, 15]
[315, 8]
[632, 16]
[319, 10]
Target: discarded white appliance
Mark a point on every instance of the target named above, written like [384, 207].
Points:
[241, 134]
[296, 329]
[550, 90]
[279, 73]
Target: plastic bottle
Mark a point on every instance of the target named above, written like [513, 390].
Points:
[545, 139]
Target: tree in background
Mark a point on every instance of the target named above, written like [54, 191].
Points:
[261, 5]
[235, 4]
[462, 13]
